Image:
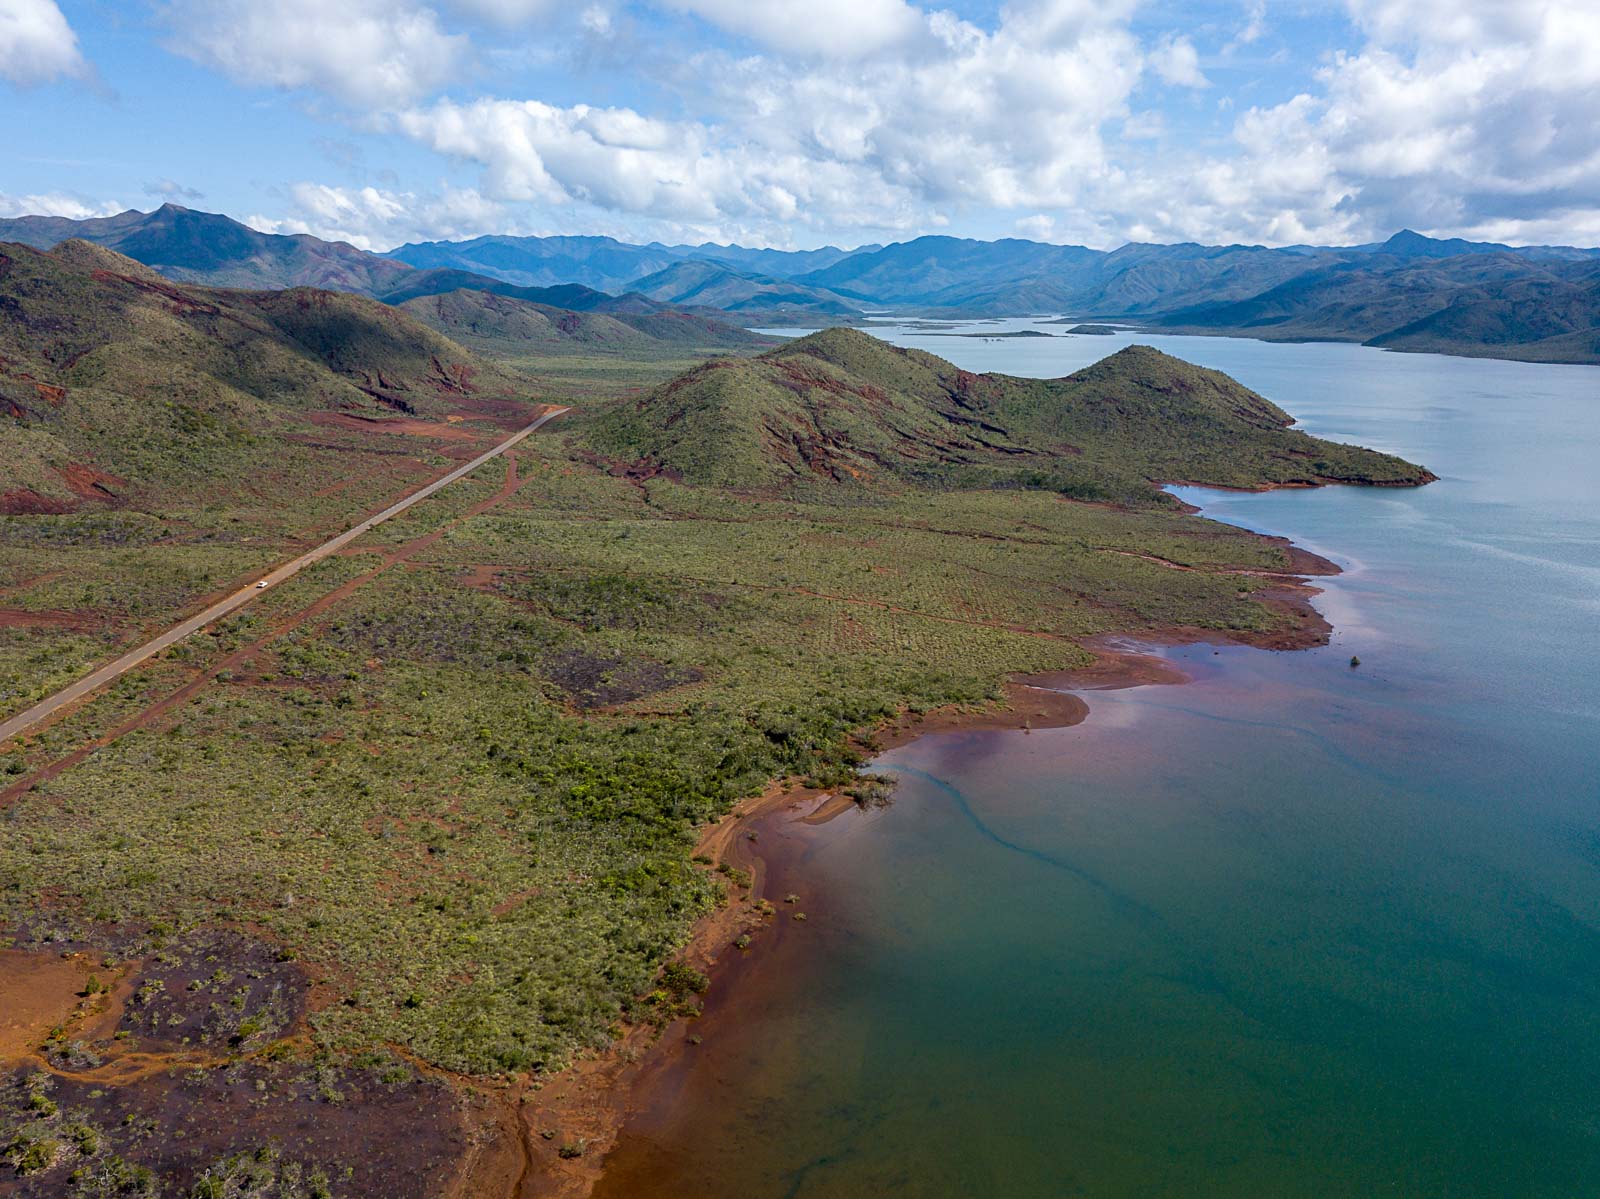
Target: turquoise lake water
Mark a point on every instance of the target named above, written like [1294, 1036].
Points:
[1291, 929]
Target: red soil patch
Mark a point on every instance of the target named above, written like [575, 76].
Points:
[18, 618]
[25, 501]
[400, 425]
[1303, 561]
[90, 483]
[334, 488]
[512, 902]
[1114, 668]
[85, 481]
[509, 415]
[38, 992]
[1032, 702]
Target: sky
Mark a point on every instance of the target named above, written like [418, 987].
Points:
[800, 123]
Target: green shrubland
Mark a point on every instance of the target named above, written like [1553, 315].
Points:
[467, 795]
[414, 793]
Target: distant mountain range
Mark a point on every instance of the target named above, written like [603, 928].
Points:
[1410, 292]
[203, 247]
[602, 262]
[711, 284]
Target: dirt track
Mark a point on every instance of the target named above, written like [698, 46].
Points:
[91, 682]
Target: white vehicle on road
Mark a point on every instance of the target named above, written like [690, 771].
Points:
[261, 584]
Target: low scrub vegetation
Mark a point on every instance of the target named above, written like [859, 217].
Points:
[467, 794]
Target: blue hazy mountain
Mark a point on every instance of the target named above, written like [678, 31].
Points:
[1407, 292]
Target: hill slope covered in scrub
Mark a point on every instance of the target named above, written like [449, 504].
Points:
[508, 327]
[110, 369]
[841, 405]
[572, 296]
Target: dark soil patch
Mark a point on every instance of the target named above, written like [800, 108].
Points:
[638, 471]
[373, 1127]
[600, 680]
[178, 1074]
[509, 415]
[206, 991]
[218, 989]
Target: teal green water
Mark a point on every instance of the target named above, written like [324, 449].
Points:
[1290, 929]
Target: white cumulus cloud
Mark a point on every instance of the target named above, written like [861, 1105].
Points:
[878, 118]
[57, 204]
[36, 43]
[1038, 227]
[612, 158]
[377, 219]
[369, 53]
[1176, 61]
[1455, 115]
[1010, 117]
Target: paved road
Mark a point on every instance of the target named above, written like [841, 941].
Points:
[99, 678]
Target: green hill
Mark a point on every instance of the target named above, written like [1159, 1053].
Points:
[786, 417]
[842, 406]
[506, 326]
[572, 296]
[494, 322]
[1544, 320]
[715, 285]
[1499, 305]
[109, 371]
